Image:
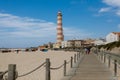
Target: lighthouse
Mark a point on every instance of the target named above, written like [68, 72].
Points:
[60, 36]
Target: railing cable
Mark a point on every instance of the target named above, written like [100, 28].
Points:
[3, 73]
[32, 70]
[57, 67]
[68, 62]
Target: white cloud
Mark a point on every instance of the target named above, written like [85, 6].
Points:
[25, 30]
[8, 20]
[16, 26]
[25, 26]
[104, 9]
[115, 4]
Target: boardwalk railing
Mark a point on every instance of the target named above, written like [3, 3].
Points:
[13, 74]
[112, 60]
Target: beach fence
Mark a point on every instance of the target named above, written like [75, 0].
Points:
[112, 61]
[12, 73]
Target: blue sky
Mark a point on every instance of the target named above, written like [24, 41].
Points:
[29, 23]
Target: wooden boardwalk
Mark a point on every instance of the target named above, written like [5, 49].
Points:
[90, 68]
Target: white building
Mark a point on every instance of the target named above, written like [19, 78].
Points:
[69, 43]
[99, 42]
[64, 44]
[112, 37]
[72, 43]
[78, 43]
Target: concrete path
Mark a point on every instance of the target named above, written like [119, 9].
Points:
[90, 68]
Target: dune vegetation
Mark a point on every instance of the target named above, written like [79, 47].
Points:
[110, 46]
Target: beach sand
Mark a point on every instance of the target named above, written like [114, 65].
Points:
[27, 61]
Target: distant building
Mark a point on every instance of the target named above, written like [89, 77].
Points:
[112, 37]
[77, 43]
[88, 42]
[99, 42]
[50, 45]
[46, 46]
[56, 45]
[64, 44]
[72, 43]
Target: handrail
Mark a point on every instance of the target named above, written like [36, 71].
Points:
[3, 73]
[112, 58]
[57, 67]
[32, 70]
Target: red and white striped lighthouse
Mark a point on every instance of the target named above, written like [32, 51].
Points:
[60, 36]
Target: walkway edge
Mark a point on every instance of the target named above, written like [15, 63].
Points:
[72, 71]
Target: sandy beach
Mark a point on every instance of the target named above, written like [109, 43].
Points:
[27, 61]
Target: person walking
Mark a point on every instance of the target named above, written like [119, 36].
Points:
[88, 49]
